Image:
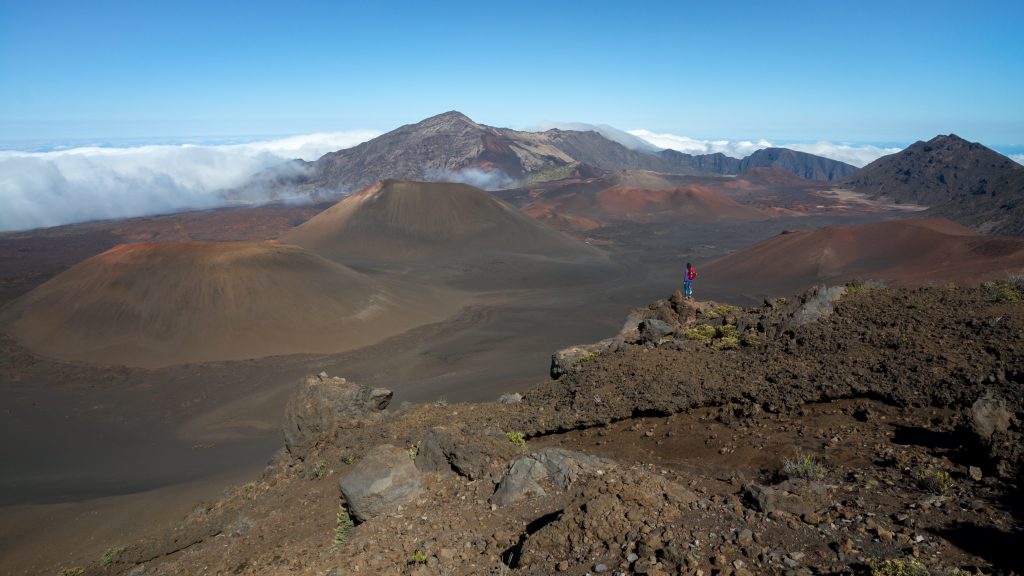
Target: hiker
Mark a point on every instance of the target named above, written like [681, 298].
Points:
[688, 278]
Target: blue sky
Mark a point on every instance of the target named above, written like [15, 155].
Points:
[789, 71]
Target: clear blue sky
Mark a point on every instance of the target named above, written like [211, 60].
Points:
[892, 71]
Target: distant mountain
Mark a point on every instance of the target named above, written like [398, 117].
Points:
[453, 148]
[961, 180]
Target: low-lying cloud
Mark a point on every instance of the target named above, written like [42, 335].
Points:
[857, 154]
[40, 189]
[492, 179]
[1018, 158]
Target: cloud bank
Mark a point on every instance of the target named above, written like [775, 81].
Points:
[631, 141]
[1018, 158]
[493, 179]
[39, 189]
[858, 155]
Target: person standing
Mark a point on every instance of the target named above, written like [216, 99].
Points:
[688, 278]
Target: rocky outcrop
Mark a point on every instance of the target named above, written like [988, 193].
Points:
[322, 406]
[383, 480]
[554, 467]
[797, 497]
[473, 453]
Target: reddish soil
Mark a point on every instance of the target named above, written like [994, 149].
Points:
[902, 252]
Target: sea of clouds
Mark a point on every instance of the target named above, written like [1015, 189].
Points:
[40, 189]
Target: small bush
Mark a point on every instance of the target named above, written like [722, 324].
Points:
[701, 332]
[908, 567]
[348, 459]
[111, 555]
[726, 343]
[414, 451]
[727, 331]
[418, 558]
[343, 526]
[804, 466]
[1002, 291]
[937, 481]
[750, 339]
[76, 571]
[719, 311]
[516, 438]
[320, 470]
[442, 402]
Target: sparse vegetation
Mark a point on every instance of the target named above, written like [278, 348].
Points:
[418, 557]
[342, 527]
[516, 438]
[908, 567]
[700, 332]
[727, 331]
[111, 555]
[720, 311]
[1003, 290]
[414, 451]
[937, 481]
[803, 466]
[442, 402]
[750, 339]
[348, 459]
[726, 343]
[76, 571]
[320, 470]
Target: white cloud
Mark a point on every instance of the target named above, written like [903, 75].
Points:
[493, 179]
[858, 155]
[1018, 158]
[40, 189]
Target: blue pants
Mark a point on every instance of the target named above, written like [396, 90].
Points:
[688, 288]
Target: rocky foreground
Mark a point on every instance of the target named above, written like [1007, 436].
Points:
[854, 430]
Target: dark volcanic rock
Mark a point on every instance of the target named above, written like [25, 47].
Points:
[385, 478]
[555, 467]
[473, 455]
[324, 405]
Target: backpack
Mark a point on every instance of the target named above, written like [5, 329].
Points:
[693, 274]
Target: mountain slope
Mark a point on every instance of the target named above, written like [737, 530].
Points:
[961, 180]
[405, 221]
[905, 252]
[452, 147]
[166, 303]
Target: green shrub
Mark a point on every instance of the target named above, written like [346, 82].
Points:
[414, 451]
[727, 331]
[320, 470]
[908, 567]
[342, 527]
[937, 481]
[726, 343]
[516, 438]
[442, 402]
[1002, 291]
[700, 332]
[418, 558]
[750, 339]
[804, 466]
[111, 555]
[76, 571]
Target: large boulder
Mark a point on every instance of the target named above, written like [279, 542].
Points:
[383, 480]
[322, 406]
[556, 467]
[797, 497]
[471, 453]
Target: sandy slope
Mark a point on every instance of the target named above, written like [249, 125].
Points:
[158, 304]
[904, 252]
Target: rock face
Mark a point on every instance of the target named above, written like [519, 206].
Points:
[553, 466]
[384, 479]
[322, 406]
[471, 454]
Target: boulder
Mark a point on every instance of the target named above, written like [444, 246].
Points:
[322, 405]
[383, 480]
[653, 330]
[797, 497]
[989, 416]
[470, 453]
[555, 467]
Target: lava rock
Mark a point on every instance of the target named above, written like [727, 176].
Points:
[384, 479]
